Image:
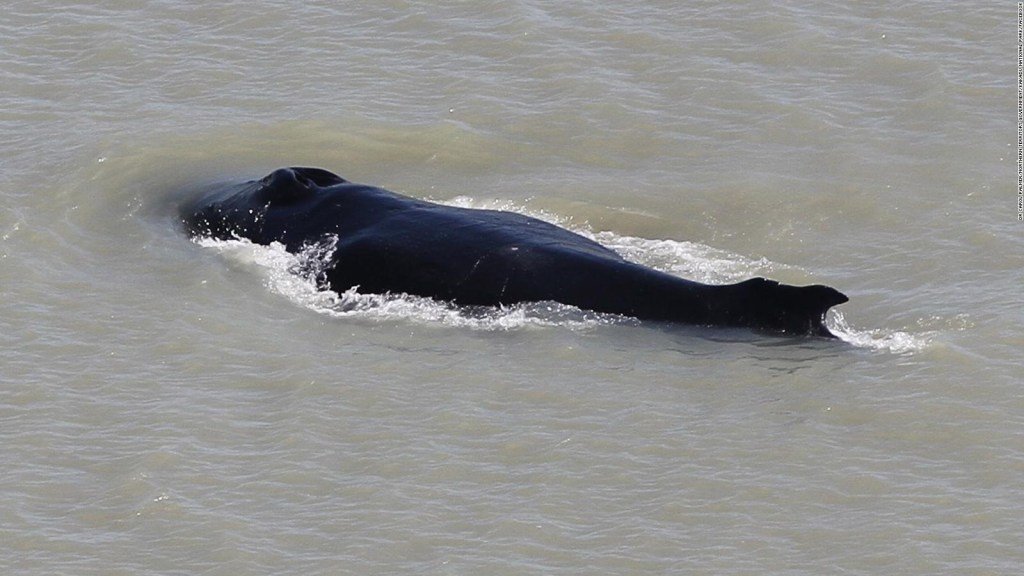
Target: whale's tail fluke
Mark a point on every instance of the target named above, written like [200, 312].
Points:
[783, 308]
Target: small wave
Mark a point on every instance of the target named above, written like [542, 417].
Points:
[887, 340]
[299, 278]
[687, 259]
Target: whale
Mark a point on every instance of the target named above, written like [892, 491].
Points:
[383, 242]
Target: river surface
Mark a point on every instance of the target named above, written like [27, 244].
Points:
[174, 407]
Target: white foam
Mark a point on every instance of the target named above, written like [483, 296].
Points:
[298, 278]
[882, 339]
[687, 259]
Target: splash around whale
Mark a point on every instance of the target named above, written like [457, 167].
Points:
[384, 242]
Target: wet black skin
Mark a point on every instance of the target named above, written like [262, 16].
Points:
[387, 242]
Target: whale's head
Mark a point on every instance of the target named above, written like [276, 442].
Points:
[259, 210]
[771, 306]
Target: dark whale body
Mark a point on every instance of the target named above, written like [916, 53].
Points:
[387, 242]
